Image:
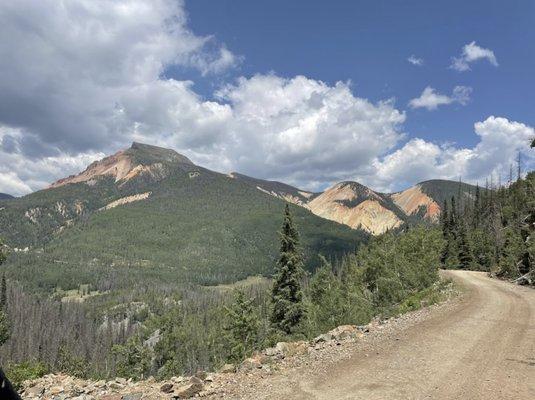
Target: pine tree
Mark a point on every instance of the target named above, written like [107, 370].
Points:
[287, 297]
[466, 258]
[446, 233]
[450, 253]
[242, 327]
[327, 297]
[476, 220]
[3, 293]
[4, 322]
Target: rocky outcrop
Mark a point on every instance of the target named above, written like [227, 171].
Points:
[116, 166]
[357, 206]
[139, 160]
[126, 200]
[413, 201]
[277, 189]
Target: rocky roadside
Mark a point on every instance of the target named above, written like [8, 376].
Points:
[254, 374]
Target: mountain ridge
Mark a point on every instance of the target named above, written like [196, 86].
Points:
[348, 202]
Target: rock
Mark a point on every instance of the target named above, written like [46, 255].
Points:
[133, 396]
[178, 379]
[55, 390]
[166, 388]
[326, 337]
[189, 390]
[122, 381]
[35, 391]
[209, 378]
[254, 362]
[289, 349]
[272, 352]
[201, 375]
[111, 397]
[195, 379]
[343, 332]
[228, 369]
[115, 386]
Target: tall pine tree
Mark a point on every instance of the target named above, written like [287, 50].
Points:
[4, 322]
[287, 296]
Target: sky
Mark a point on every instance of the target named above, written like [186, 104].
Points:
[306, 92]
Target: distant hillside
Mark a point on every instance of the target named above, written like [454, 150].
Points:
[277, 189]
[5, 196]
[150, 215]
[357, 206]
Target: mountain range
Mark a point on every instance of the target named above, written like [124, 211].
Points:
[150, 213]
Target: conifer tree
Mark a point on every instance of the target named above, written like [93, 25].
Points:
[242, 326]
[287, 297]
[466, 258]
[326, 296]
[4, 322]
[3, 293]
[476, 220]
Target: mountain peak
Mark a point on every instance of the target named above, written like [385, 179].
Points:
[138, 159]
[148, 154]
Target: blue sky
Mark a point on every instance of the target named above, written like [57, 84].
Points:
[368, 42]
[305, 92]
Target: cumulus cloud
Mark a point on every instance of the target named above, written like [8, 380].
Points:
[470, 54]
[416, 60]
[499, 142]
[304, 130]
[86, 78]
[430, 99]
[75, 62]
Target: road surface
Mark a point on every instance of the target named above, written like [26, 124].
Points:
[481, 348]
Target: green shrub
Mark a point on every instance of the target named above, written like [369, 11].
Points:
[18, 373]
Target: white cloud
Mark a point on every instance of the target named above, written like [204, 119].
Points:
[499, 142]
[89, 78]
[472, 53]
[74, 62]
[430, 99]
[415, 60]
[85, 78]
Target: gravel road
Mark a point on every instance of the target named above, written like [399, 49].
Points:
[482, 347]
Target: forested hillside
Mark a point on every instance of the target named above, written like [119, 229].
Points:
[171, 329]
[494, 231]
[165, 221]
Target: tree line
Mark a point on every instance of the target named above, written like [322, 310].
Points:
[493, 230]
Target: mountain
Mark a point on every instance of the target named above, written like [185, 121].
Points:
[357, 206]
[148, 214]
[138, 160]
[277, 189]
[5, 196]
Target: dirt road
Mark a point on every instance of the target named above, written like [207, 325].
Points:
[481, 348]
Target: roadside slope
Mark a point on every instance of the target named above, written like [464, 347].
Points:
[483, 347]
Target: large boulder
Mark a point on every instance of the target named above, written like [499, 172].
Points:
[191, 389]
